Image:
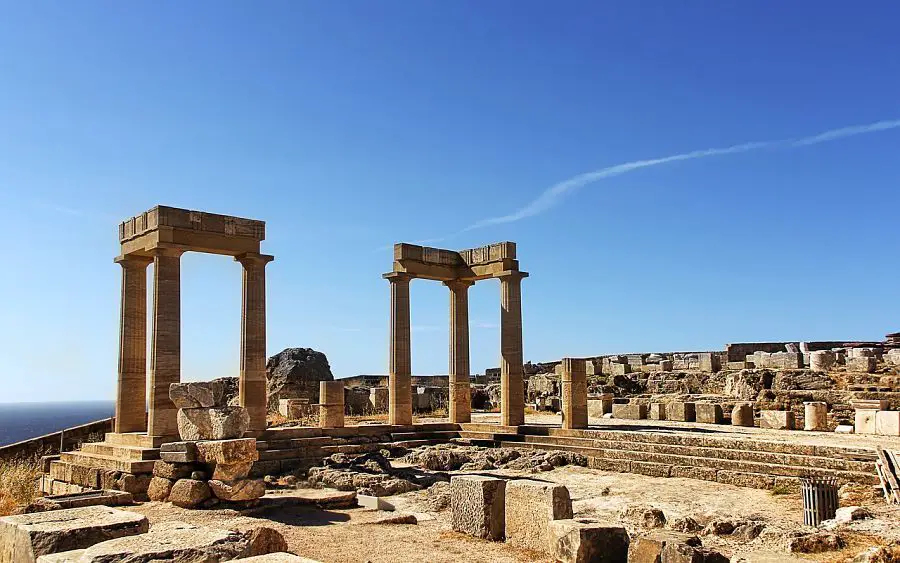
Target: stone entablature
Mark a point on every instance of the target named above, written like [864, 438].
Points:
[440, 264]
[193, 230]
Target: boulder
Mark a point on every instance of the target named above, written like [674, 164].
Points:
[172, 471]
[647, 516]
[744, 384]
[238, 491]
[477, 505]
[815, 542]
[295, 373]
[648, 548]
[171, 541]
[194, 395]
[189, 493]
[227, 451]
[231, 471]
[530, 507]
[584, 541]
[25, 537]
[159, 489]
[851, 513]
[218, 423]
[263, 540]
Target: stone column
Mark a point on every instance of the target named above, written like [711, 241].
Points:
[512, 392]
[400, 376]
[815, 416]
[460, 392]
[131, 393]
[331, 404]
[573, 381]
[252, 382]
[165, 352]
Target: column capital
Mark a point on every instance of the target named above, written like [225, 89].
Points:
[395, 277]
[166, 251]
[249, 259]
[133, 261]
[510, 275]
[455, 285]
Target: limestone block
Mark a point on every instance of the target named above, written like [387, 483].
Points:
[648, 548]
[159, 489]
[278, 558]
[171, 541]
[189, 493]
[227, 451]
[198, 394]
[709, 413]
[231, 471]
[134, 484]
[477, 505]
[709, 362]
[598, 405]
[172, 471]
[631, 411]
[242, 490]
[665, 365]
[871, 404]
[178, 452]
[821, 360]
[584, 541]
[864, 421]
[864, 364]
[619, 369]
[742, 415]
[530, 507]
[212, 423]
[25, 537]
[853, 353]
[293, 409]
[682, 412]
[887, 423]
[815, 416]
[778, 420]
[331, 416]
[657, 411]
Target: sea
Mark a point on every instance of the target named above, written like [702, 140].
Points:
[21, 421]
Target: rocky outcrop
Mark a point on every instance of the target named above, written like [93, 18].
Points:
[450, 457]
[370, 474]
[295, 373]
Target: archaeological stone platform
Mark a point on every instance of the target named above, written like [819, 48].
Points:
[160, 236]
[458, 270]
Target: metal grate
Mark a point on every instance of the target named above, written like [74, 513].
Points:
[820, 499]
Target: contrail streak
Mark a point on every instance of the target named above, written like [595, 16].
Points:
[552, 195]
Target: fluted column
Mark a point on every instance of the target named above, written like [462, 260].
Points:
[512, 392]
[131, 392]
[252, 382]
[165, 352]
[400, 376]
[460, 393]
[573, 381]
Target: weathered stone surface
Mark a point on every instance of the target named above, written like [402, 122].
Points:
[279, 558]
[887, 423]
[709, 413]
[159, 489]
[682, 412]
[171, 541]
[821, 360]
[631, 411]
[648, 548]
[60, 502]
[264, 540]
[657, 411]
[742, 415]
[744, 384]
[227, 451]
[295, 373]
[477, 505]
[778, 420]
[801, 380]
[584, 541]
[189, 493]
[238, 491]
[178, 452]
[172, 471]
[25, 537]
[815, 542]
[530, 507]
[850, 513]
[861, 364]
[864, 421]
[194, 395]
[815, 416]
[231, 471]
[646, 516]
[684, 553]
[134, 484]
[219, 423]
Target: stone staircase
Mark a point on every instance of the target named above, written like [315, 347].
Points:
[746, 462]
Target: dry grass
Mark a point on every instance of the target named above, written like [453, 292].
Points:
[18, 483]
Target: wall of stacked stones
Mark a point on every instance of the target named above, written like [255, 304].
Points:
[70, 439]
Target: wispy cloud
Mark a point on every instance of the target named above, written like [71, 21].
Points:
[552, 196]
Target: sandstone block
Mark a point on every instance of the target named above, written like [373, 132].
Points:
[172, 471]
[231, 471]
[815, 416]
[864, 421]
[222, 423]
[134, 484]
[862, 364]
[198, 394]
[178, 452]
[170, 541]
[682, 412]
[189, 493]
[887, 423]
[648, 548]
[159, 489]
[227, 451]
[477, 505]
[584, 541]
[778, 420]
[709, 413]
[25, 537]
[630, 411]
[236, 491]
[821, 360]
[600, 405]
[265, 540]
[530, 507]
[742, 415]
[657, 411]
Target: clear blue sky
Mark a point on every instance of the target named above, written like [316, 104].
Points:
[350, 125]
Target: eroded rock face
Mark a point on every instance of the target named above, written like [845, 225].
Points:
[744, 384]
[238, 491]
[451, 457]
[171, 541]
[194, 395]
[370, 474]
[189, 493]
[295, 373]
[216, 423]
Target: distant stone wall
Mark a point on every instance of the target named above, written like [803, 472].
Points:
[69, 439]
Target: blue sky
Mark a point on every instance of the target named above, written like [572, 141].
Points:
[350, 125]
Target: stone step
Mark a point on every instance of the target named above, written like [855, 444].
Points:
[417, 443]
[288, 443]
[292, 453]
[120, 452]
[425, 435]
[137, 440]
[488, 427]
[105, 462]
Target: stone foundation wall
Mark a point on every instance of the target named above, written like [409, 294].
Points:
[48, 444]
